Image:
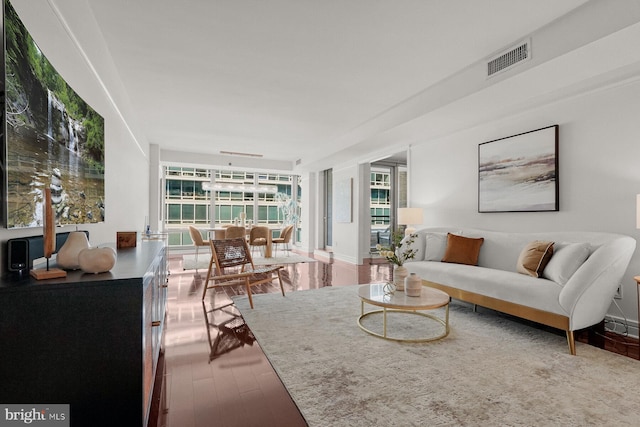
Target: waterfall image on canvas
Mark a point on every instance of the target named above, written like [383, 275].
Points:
[54, 138]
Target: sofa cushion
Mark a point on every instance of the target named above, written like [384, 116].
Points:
[534, 258]
[566, 260]
[436, 244]
[508, 286]
[418, 246]
[500, 250]
[462, 250]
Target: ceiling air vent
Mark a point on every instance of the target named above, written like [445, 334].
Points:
[509, 58]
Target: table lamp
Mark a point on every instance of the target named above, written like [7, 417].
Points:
[409, 217]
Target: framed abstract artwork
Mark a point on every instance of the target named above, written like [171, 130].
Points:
[519, 173]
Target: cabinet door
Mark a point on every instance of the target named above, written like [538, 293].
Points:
[154, 313]
[147, 347]
[159, 305]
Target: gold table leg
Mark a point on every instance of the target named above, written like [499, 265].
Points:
[444, 322]
[384, 323]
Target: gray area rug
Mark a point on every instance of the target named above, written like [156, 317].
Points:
[489, 371]
[189, 261]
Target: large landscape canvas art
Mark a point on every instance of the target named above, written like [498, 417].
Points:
[54, 138]
[519, 173]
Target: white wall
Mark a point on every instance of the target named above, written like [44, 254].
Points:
[345, 241]
[599, 173]
[126, 158]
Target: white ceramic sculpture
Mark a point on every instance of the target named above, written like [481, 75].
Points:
[67, 257]
[97, 260]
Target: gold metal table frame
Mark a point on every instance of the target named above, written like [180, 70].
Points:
[399, 302]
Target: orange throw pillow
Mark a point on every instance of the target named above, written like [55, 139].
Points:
[462, 250]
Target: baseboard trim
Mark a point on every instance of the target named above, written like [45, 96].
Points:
[323, 255]
[632, 326]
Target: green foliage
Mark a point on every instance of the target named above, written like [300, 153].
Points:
[395, 254]
[26, 63]
[14, 33]
[94, 125]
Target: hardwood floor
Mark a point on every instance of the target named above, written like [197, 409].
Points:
[215, 373]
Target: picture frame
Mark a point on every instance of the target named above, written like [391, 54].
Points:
[519, 173]
[51, 128]
[343, 201]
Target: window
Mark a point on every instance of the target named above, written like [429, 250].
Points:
[201, 214]
[173, 213]
[188, 212]
[174, 189]
[187, 203]
[188, 189]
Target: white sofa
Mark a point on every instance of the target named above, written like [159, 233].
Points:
[576, 288]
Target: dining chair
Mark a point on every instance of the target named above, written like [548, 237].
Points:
[233, 265]
[283, 239]
[198, 241]
[258, 238]
[235, 231]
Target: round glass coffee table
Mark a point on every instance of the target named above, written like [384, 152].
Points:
[398, 302]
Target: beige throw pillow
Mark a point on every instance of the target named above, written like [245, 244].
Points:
[462, 250]
[566, 260]
[534, 258]
[436, 244]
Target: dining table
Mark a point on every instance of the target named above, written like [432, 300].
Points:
[218, 233]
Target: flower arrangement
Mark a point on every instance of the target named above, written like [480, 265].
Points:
[395, 254]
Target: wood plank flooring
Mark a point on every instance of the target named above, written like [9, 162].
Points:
[215, 373]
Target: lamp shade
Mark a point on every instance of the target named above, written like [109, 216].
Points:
[638, 211]
[409, 216]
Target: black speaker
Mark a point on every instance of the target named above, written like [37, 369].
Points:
[18, 255]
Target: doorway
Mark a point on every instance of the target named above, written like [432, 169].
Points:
[388, 187]
[328, 209]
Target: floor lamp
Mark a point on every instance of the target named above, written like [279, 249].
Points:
[409, 217]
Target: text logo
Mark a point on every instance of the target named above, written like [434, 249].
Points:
[36, 415]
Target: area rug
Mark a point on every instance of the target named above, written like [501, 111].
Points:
[489, 371]
[189, 261]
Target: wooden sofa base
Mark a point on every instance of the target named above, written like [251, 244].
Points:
[522, 311]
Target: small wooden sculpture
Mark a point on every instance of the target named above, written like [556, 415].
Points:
[49, 237]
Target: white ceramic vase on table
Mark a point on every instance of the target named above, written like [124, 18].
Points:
[413, 285]
[400, 272]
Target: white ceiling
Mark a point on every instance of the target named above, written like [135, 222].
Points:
[292, 79]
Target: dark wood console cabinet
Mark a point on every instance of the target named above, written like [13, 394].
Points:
[89, 340]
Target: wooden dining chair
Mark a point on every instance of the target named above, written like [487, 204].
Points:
[231, 265]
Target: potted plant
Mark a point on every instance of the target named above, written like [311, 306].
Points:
[397, 254]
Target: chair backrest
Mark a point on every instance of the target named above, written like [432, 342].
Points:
[196, 236]
[287, 233]
[234, 232]
[230, 253]
[259, 232]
